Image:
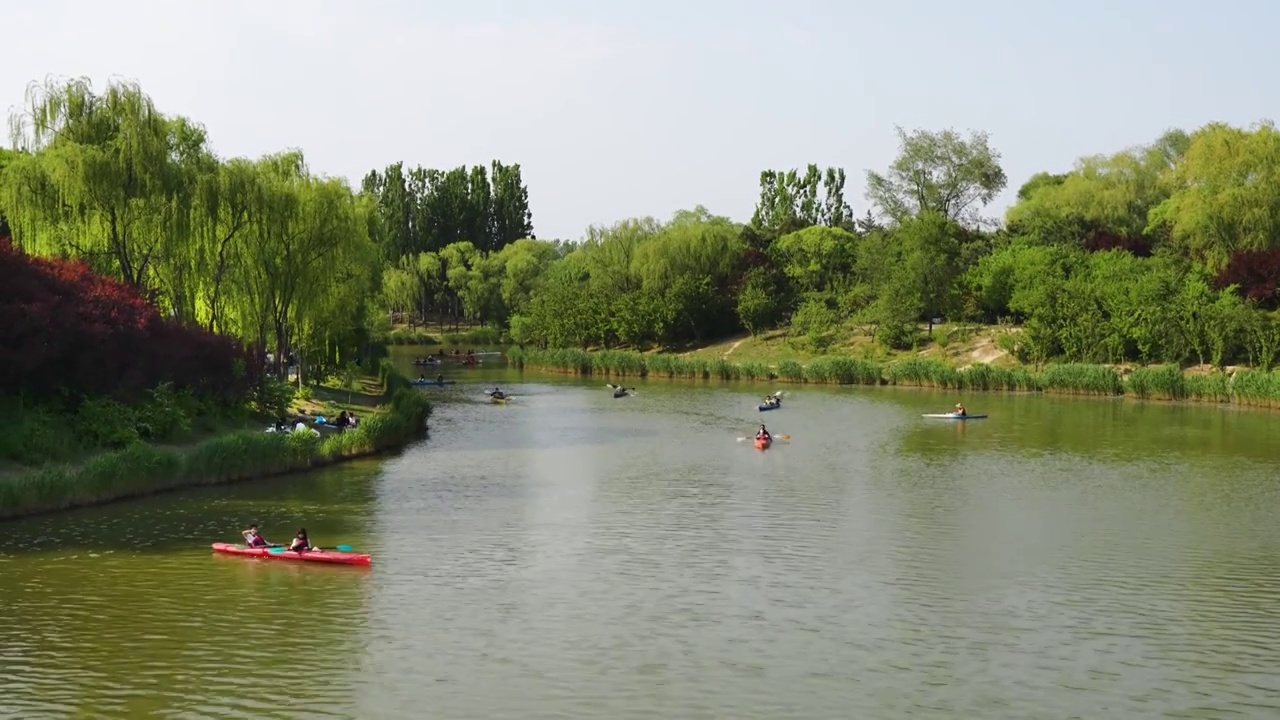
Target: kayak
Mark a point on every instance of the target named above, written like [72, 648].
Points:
[620, 395]
[431, 382]
[496, 400]
[322, 556]
[763, 443]
[953, 416]
[766, 406]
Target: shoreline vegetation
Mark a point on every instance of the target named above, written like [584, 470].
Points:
[142, 469]
[1242, 387]
[151, 290]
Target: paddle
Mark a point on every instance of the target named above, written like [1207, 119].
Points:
[774, 437]
[616, 388]
[281, 548]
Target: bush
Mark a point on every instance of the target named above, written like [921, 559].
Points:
[274, 396]
[66, 331]
[106, 423]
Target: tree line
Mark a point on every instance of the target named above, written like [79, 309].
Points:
[1166, 252]
[265, 250]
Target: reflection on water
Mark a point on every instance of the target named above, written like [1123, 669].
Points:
[572, 555]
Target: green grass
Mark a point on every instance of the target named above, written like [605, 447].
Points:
[1164, 382]
[141, 469]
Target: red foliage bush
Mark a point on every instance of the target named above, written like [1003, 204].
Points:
[65, 330]
[1100, 240]
[1257, 273]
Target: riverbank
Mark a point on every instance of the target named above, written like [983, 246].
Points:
[1245, 387]
[141, 469]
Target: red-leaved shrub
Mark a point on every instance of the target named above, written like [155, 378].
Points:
[1256, 273]
[65, 330]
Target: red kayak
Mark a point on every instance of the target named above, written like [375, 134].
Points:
[323, 556]
[763, 443]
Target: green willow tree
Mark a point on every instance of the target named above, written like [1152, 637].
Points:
[103, 176]
[261, 249]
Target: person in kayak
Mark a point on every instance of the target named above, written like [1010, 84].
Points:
[497, 394]
[300, 542]
[762, 433]
[253, 539]
[440, 379]
[960, 410]
[772, 400]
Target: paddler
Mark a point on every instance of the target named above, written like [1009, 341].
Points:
[300, 542]
[960, 409]
[253, 539]
[762, 433]
[440, 379]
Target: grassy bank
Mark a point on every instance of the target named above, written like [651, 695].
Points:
[141, 469]
[1243, 387]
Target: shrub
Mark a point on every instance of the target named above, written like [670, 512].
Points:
[66, 331]
[1255, 274]
[106, 423]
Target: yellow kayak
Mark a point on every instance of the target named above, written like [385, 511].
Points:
[498, 400]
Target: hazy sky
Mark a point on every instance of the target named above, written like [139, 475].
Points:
[622, 109]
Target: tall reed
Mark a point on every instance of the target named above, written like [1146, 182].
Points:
[1166, 382]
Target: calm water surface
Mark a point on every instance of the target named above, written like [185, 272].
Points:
[572, 555]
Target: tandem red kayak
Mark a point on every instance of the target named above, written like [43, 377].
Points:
[322, 556]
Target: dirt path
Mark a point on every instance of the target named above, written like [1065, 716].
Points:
[733, 347]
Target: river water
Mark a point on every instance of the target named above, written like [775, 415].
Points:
[570, 555]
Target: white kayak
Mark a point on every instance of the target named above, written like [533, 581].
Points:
[953, 416]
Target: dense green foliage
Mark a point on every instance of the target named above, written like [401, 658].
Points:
[1168, 253]
[139, 469]
[264, 249]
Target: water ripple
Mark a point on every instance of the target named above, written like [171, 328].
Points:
[569, 556]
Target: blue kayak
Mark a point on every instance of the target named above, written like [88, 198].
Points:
[765, 406]
[431, 382]
[953, 416]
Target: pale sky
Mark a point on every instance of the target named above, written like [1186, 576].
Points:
[619, 109]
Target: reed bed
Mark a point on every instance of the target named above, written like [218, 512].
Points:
[141, 469]
[1159, 382]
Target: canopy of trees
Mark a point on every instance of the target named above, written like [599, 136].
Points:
[1165, 252]
[264, 250]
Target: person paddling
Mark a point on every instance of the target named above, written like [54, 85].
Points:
[497, 394]
[253, 539]
[439, 379]
[300, 542]
[960, 410]
[762, 433]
